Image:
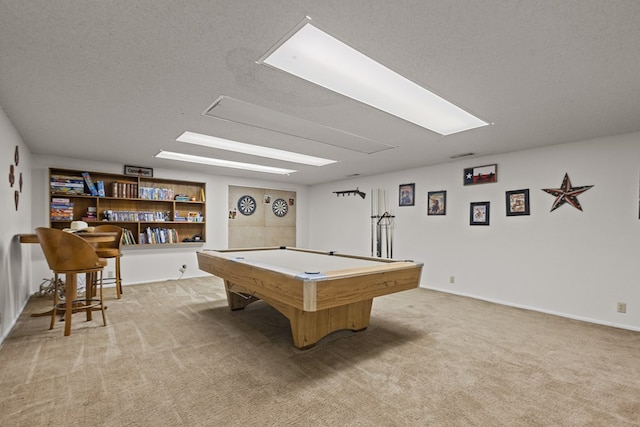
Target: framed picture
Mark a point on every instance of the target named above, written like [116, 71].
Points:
[481, 174]
[437, 203]
[517, 202]
[138, 171]
[479, 213]
[407, 193]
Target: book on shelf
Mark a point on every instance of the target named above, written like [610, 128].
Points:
[158, 236]
[127, 237]
[100, 186]
[90, 184]
[67, 184]
[61, 209]
[124, 190]
[91, 214]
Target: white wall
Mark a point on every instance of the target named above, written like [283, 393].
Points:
[15, 279]
[567, 262]
[143, 264]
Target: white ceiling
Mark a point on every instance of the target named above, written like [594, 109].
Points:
[119, 80]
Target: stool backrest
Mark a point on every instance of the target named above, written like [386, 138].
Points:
[109, 228]
[66, 251]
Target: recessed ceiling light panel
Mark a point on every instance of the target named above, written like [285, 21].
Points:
[315, 56]
[170, 155]
[253, 150]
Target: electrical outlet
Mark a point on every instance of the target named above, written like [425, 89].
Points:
[183, 268]
[110, 274]
[622, 307]
[452, 279]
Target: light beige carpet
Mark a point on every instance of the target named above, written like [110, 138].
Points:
[174, 355]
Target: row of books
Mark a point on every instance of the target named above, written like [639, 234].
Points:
[124, 190]
[139, 216]
[128, 238]
[153, 193]
[61, 209]
[156, 236]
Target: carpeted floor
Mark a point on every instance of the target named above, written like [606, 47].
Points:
[174, 355]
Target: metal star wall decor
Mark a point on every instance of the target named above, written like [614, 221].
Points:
[566, 194]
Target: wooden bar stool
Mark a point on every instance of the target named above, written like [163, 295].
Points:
[71, 255]
[111, 250]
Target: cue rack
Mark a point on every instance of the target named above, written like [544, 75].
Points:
[381, 225]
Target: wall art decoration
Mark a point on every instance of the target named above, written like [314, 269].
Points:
[437, 203]
[138, 171]
[479, 213]
[566, 194]
[12, 177]
[481, 175]
[517, 202]
[407, 193]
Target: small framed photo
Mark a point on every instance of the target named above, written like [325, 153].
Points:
[517, 202]
[479, 213]
[481, 175]
[437, 203]
[407, 194]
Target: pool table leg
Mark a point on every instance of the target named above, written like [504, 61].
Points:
[309, 327]
[237, 301]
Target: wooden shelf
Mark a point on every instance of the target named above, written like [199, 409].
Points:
[133, 203]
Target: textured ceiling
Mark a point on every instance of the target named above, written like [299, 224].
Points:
[119, 80]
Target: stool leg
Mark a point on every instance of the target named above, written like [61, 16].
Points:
[71, 294]
[118, 278]
[88, 294]
[55, 301]
[104, 316]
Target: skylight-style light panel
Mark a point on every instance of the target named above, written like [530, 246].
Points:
[170, 155]
[254, 150]
[315, 56]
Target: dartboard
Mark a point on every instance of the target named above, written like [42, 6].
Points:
[280, 207]
[246, 205]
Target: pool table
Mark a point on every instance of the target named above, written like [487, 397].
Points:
[319, 292]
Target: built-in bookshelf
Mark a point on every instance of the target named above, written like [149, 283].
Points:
[152, 211]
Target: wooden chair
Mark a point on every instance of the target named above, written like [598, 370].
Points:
[111, 250]
[71, 255]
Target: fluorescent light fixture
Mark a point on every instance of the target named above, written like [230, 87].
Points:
[254, 150]
[170, 155]
[314, 55]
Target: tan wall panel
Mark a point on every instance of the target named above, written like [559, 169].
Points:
[263, 227]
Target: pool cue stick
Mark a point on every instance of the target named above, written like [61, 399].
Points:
[391, 240]
[378, 228]
[386, 232]
[372, 222]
